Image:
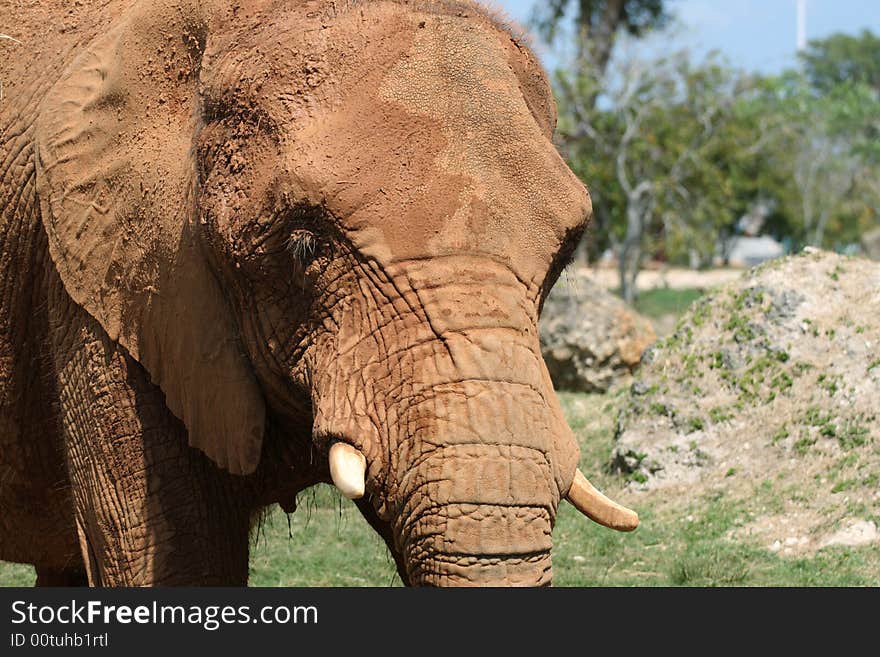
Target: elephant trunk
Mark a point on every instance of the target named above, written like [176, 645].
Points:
[478, 515]
[477, 492]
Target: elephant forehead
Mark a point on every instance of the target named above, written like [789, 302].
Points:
[457, 75]
[441, 154]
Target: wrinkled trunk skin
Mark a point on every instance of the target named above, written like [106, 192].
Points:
[467, 447]
[477, 496]
[478, 515]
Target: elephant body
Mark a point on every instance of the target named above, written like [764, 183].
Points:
[37, 524]
[82, 426]
[234, 235]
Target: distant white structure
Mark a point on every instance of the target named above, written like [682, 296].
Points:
[748, 251]
[801, 25]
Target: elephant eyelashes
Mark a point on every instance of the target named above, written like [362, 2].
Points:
[565, 256]
[303, 245]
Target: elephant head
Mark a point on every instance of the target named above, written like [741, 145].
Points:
[347, 215]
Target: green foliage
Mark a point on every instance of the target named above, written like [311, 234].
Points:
[841, 486]
[696, 424]
[816, 157]
[803, 444]
[782, 381]
[656, 408]
[828, 383]
[14, 574]
[638, 477]
[853, 435]
[633, 16]
[676, 151]
[780, 435]
[816, 418]
[657, 153]
[841, 59]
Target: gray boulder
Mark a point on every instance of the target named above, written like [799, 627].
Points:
[590, 338]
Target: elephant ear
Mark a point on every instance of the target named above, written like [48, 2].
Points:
[117, 182]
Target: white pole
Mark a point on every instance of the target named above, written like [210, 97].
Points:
[801, 25]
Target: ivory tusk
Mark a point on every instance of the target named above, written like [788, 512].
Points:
[348, 468]
[599, 508]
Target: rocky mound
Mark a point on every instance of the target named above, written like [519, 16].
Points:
[773, 378]
[590, 338]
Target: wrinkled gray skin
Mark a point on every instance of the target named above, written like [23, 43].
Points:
[240, 234]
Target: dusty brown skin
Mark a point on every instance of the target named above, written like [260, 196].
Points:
[256, 228]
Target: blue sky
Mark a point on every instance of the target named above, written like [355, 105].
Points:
[757, 35]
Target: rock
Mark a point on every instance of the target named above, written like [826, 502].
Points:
[871, 243]
[857, 532]
[590, 338]
[770, 378]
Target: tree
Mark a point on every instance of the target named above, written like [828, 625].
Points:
[842, 59]
[844, 72]
[821, 147]
[598, 23]
[676, 152]
[653, 156]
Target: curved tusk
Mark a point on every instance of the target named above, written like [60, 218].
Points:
[348, 468]
[599, 508]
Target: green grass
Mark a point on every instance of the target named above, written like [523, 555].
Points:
[691, 548]
[659, 302]
[673, 551]
[14, 574]
[329, 544]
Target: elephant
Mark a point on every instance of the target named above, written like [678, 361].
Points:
[250, 247]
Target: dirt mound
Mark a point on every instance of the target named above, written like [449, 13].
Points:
[590, 338]
[772, 378]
